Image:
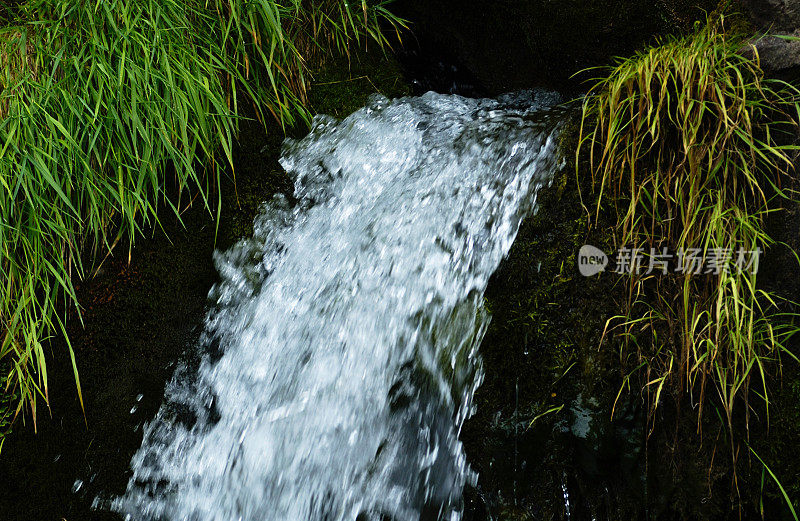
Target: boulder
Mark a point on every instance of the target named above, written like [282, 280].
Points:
[781, 16]
[780, 19]
[511, 44]
[779, 54]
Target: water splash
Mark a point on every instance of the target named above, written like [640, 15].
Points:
[340, 360]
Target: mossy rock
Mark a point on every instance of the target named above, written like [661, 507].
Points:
[543, 424]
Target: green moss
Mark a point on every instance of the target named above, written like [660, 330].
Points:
[344, 85]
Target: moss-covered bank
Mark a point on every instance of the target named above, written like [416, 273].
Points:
[542, 431]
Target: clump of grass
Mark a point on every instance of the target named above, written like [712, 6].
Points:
[686, 140]
[268, 45]
[108, 113]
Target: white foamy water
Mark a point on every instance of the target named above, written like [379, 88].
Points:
[340, 359]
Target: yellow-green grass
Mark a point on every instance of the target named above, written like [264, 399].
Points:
[687, 141]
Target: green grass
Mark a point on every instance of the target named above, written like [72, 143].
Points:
[114, 111]
[687, 141]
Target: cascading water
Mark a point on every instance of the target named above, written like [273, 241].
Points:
[341, 357]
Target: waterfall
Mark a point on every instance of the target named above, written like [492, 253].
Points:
[340, 357]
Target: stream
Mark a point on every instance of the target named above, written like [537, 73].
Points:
[341, 352]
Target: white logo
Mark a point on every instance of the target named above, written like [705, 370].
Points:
[591, 260]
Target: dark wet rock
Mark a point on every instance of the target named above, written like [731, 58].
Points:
[542, 440]
[781, 20]
[777, 53]
[774, 15]
[508, 45]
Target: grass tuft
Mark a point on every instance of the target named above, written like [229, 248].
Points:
[111, 112]
[687, 141]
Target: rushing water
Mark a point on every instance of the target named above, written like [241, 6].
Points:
[340, 359]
